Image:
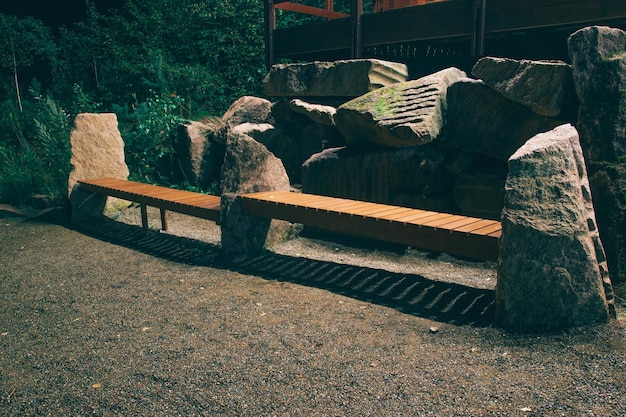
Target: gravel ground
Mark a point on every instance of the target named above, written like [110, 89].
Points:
[103, 321]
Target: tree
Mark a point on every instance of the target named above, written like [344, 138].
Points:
[23, 44]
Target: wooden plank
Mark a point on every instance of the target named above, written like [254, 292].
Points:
[443, 222]
[310, 10]
[475, 226]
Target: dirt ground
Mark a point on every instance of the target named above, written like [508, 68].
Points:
[101, 320]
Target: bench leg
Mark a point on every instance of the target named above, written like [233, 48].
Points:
[144, 218]
[163, 220]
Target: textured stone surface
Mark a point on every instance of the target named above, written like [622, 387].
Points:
[349, 78]
[404, 114]
[97, 152]
[324, 115]
[248, 167]
[599, 61]
[410, 176]
[551, 271]
[247, 109]
[483, 121]
[190, 148]
[296, 137]
[545, 87]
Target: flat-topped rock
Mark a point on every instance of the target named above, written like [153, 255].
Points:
[545, 87]
[404, 114]
[346, 78]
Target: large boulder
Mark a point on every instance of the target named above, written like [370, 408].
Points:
[348, 78]
[301, 130]
[249, 167]
[191, 141]
[247, 109]
[545, 87]
[483, 121]
[599, 61]
[551, 272]
[318, 113]
[403, 114]
[409, 176]
[97, 152]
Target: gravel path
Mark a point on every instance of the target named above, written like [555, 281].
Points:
[101, 321]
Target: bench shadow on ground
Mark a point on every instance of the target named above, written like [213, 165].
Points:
[411, 294]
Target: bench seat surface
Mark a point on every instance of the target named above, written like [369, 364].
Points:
[459, 235]
[186, 202]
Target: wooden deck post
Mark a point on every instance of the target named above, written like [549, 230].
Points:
[356, 14]
[478, 27]
[270, 25]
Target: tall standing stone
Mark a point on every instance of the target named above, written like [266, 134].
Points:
[551, 273]
[599, 62]
[97, 152]
[248, 167]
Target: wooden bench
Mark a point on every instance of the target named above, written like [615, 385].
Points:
[458, 235]
[186, 202]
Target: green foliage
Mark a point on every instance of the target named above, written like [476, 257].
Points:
[24, 43]
[34, 151]
[155, 64]
[149, 133]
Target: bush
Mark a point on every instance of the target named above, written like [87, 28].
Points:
[149, 132]
[34, 151]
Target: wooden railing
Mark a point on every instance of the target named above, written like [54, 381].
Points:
[353, 20]
[435, 20]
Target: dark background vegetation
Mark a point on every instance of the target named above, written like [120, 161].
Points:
[155, 64]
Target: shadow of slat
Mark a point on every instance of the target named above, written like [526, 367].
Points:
[409, 293]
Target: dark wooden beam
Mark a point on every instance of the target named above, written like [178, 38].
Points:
[270, 25]
[355, 20]
[478, 26]
[310, 10]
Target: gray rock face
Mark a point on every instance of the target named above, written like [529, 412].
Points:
[297, 136]
[599, 60]
[97, 152]
[404, 114]
[349, 78]
[324, 115]
[483, 121]
[410, 176]
[551, 272]
[190, 148]
[545, 87]
[247, 109]
[248, 167]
